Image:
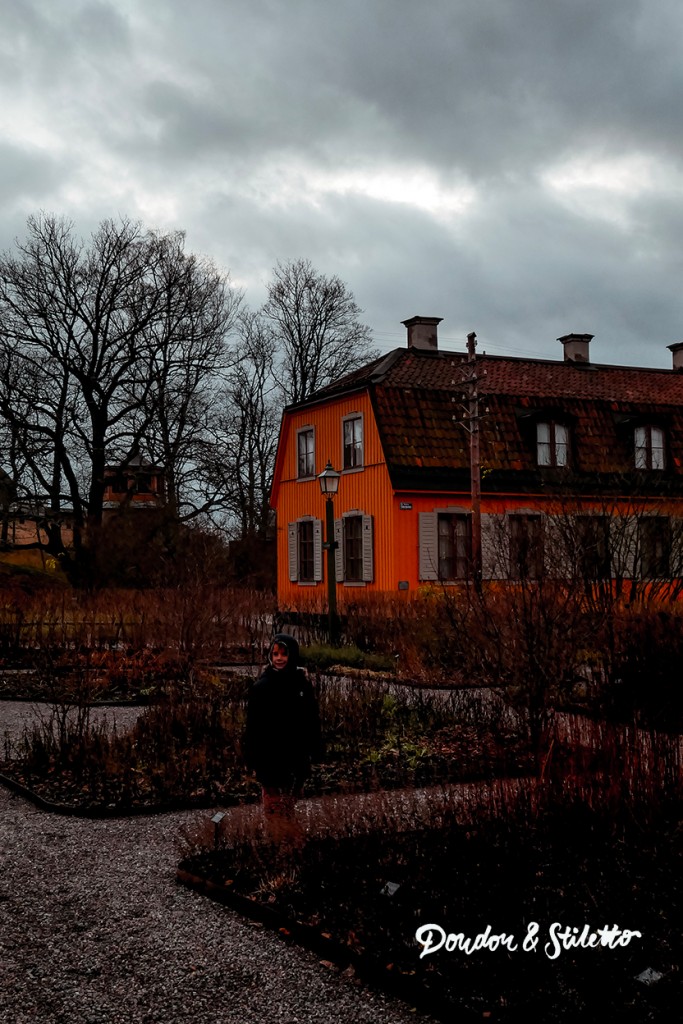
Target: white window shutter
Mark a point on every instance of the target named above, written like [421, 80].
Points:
[317, 550]
[293, 552]
[429, 546]
[339, 550]
[368, 550]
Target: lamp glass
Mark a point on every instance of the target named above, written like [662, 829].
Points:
[329, 480]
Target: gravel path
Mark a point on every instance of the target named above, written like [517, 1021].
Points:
[95, 930]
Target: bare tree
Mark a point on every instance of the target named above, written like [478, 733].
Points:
[81, 329]
[317, 328]
[247, 429]
[185, 373]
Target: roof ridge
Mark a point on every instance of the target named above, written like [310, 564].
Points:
[389, 360]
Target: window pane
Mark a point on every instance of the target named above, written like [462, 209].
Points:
[455, 545]
[306, 462]
[641, 447]
[561, 444]
[306, 569]
[593, 547]
[657, 445]
[552, 444]
[654, 535]
[353, 548]
[526, 546]
[445, 548]
[353, 443]
[649, 447]
[544, 454]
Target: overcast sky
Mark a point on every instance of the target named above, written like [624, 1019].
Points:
[513, 166]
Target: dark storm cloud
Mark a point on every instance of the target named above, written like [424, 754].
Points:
[492, 87]
[513, 166]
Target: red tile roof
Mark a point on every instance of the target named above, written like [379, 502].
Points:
[425, 441]
[538, 378]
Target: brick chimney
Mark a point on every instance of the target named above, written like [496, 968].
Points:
[422, 332]
[677, 352]
[576, 347]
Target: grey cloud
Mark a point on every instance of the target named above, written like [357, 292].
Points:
[492, 89]
[203, 102]
[102, 29]
[26, 174]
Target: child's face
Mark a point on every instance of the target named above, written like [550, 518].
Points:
[279, 656]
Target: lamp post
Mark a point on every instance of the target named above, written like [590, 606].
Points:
[329, 485]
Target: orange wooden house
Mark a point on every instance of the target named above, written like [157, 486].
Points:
[553, 433]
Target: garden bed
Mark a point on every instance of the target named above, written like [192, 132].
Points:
[132, 790]
[104, 676]
[360, 898]
[184, 749]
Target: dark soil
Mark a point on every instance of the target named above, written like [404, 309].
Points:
[572, 868]
[134, 790]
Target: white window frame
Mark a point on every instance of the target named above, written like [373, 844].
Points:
[644, 572]
[300, 432]
[528, 515]
[649, 455]
[368, 548]
[429, 542]
[293, 551]
[552, 444]
[360, 464]
[597, 570]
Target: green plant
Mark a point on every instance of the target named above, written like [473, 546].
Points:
[320, 657]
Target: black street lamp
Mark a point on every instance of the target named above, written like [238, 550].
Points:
[329, 485]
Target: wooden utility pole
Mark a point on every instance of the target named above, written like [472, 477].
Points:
[471, 409]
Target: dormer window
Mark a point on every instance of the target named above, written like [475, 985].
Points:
[552, 443]
[649, 447]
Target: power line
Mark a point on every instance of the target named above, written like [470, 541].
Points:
[503, 348]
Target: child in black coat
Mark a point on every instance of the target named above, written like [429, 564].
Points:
[283, 729]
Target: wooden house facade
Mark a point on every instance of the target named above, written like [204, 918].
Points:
[134, 483]
[561, 442]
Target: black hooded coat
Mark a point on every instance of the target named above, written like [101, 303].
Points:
[282, 735]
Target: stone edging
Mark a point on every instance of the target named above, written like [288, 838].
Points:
[10, 699]
[332, 952]
[71, 810]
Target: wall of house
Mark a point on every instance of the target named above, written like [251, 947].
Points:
[114, 495]
[367, 490]
[396, 516]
